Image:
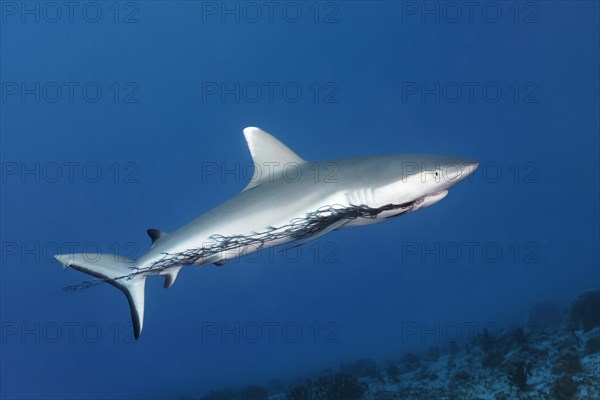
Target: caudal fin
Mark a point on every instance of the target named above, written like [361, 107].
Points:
[118, 272]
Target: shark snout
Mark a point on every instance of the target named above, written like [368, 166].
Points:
[64, 259]
[470, 167]
[454, 172]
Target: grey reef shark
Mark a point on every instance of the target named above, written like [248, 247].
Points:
[288, 200]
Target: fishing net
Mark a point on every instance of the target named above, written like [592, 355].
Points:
[298, 228]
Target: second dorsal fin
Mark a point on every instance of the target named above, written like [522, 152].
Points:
[155, 234]
[268, 154]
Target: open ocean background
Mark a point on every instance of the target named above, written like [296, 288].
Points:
[117, 117]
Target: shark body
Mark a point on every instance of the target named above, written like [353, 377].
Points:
[288, 200]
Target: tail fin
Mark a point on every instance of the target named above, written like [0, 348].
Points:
[114, 270]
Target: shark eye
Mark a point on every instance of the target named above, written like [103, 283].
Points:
[437, 173]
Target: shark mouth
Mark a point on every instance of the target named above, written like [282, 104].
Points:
[314, 224]
[430, 199]
[434, 194]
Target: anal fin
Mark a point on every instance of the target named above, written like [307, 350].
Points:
[170, 275]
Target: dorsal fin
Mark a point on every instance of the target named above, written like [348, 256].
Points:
[268, 155]
[155, 234]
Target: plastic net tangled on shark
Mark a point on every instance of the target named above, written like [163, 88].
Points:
[316, 223]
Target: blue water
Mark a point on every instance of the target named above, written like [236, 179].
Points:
[118, 117]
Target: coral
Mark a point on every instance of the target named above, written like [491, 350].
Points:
[577, 339]
[564, 388]
[557, 364]
[520, 337]
[451, 364]
[567, 362]
[461, 375]
[468, 347]
[299, 392]
[517, 375]
[592, 345]
[339, 386]
[433, 353]
[492, 359]
[485, 341]
[544, 315]
[502, 396]
[585, 310]
[410, 362]
[422, 374]
[276, 386]
[393, 372]
[568, 343]
[254, 392]
[385, 395]
[221, 394]
[364, 367]
[453, 348]
[514, 338]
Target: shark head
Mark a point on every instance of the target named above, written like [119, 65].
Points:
[420, 179]
[436, 175]
[429, 177]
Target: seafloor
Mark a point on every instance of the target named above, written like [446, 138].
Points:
[555, 356]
